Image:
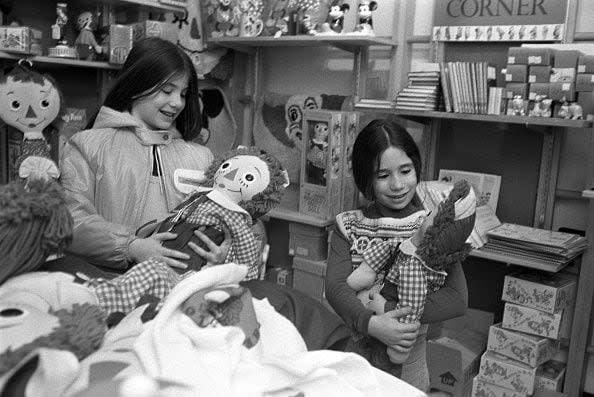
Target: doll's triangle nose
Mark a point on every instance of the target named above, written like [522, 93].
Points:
[231, 174]
[30, 112]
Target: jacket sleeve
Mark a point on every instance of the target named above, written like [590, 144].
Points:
[95, 239]
[340, 296]
[450, 301]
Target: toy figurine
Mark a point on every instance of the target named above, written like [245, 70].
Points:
[365, 25]
[62, 49]
[335, 21]
[29, 102]
[575, 111]
[317, 154]
[564, 110]
[516, 106]
[542, 107]
[86, 44]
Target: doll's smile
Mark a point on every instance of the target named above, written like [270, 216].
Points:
[31, 125]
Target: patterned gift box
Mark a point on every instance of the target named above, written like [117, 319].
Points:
[549, 376]
[21, 39]
[537, 322]
[507, 373]
[529, 349]
[480, 388]
[549, 293]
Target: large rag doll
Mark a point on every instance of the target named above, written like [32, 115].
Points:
[29, 102]
[245, 183]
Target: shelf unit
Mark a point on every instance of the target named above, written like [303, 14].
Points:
[59, 61]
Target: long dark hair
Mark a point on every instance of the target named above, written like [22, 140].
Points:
[151, 62]
[371, 143]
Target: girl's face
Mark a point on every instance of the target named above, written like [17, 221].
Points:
[396, 179]
[159, 110]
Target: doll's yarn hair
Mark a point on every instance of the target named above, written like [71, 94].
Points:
[444, 243]
[34, 222]
[271, 197]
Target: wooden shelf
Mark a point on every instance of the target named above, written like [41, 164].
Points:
[142, 4]
[512, 260]
[291, 215]
[488, 118]
[345, 42]
[60, 61]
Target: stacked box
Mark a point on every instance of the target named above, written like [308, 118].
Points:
[480, 388]
[538, 89]
[549, 376]
[165, 30]
[513, 89]
[586, 101]
[518, 55]
[516, 73]
[562, 91]
[550, 293]
[539, 74]
[585, 64]
[562, 75]
[537, 322]
[541, 56]
[308, 241]
[308, 277]
[584, 82]
[120, 43]
[20, 39]
[507, 373]
[567, 59]
[528, 349]
[323, 163]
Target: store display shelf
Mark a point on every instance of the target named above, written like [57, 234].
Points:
[346, 42]
[517, 260]
[291, 215]
[60, 61]
[489, 118]
[163, 6]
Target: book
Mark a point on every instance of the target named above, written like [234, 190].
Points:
[486, 186]
[537, 237]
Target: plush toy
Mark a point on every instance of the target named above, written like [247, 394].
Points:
[85, 43]
[421, 261]
[30, 102]
[246, 184]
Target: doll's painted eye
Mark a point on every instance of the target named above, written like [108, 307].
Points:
[15, 105]
[45, 104]
[249, 177]
[225, 166]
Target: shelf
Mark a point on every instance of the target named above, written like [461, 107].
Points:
[142, 4]
[345, 42]
[286, 214]
[513, 260]
[489, 118]
[60, 61]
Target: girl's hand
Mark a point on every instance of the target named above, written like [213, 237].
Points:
[142, 249]
[386, 328]
[216, 254]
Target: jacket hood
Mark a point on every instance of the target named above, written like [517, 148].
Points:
[109, 118]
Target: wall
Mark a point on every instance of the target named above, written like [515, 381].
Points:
[329, 71]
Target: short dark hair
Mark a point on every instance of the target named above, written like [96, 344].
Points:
[151, 62]
[371, 143]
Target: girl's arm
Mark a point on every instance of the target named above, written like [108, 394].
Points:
[449, 301]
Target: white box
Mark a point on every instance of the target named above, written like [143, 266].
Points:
[529, 349]
[550, 293]
[537, 322]
[507, 373]
[549, 376]
[480, 388]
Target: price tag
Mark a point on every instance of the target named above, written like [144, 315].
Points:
[532, 79]
[532, 60]
[511, 60]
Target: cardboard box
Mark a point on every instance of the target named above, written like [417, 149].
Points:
[584, 82]
[550, 293]
[165, 30]
[549, 376]
[528, 349]
[518, 55]
[120, 43]
[480, 388]
[20, 39]
[308, 241]
[453, 358]
[541, 56]
[280, 276]
[325, 145]
[507, 373]
[537, 322]
[586, 101]
[308, 277]
[558, 91]
[539, 74]
[585, 64]
[562, 75]
[567, 58]
[516, 73]
[513, 89]
[536, 89]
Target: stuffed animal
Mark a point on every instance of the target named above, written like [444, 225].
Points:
[30, 102]
[85, 43]
[364, 10]
[246, 183]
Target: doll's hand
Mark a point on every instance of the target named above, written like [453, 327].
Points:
[142, 249]
[216, 254]
[376, 302]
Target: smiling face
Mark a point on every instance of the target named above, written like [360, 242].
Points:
[242, 177]
[395, 180]
[159, 110]
[28, 106]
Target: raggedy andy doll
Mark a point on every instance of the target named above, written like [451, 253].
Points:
[244, 184]
[418, 265]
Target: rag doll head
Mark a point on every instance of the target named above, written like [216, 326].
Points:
[29, 102]
[250, 177]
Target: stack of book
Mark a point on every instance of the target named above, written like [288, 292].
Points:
[533, 247]
[466, 86]
[422, 92]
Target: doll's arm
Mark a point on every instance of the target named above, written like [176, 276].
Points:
[412, 285]
[244, 246]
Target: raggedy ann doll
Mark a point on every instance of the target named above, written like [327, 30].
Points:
[29, 102]
[244, 184]
[421, 262]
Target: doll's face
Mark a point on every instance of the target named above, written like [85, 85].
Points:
[85, 21]
[321, 132]
[28, 106]
[242, 177]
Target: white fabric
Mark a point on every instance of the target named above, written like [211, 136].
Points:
[214, 362]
